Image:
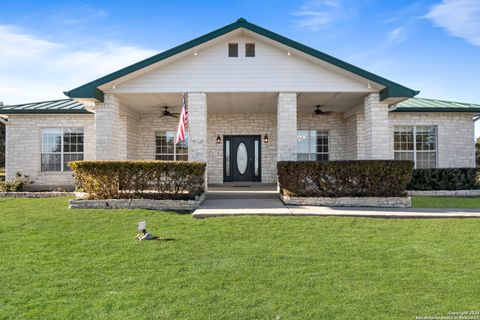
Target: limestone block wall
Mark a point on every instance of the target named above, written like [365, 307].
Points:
[378, 141]
[24, 146]
[147, 125]
[455, 135]
[336, 127]
[242, 124]
[355, 137]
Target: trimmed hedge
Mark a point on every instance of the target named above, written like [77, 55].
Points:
[139, 179]
[444, 179]
[356, 178]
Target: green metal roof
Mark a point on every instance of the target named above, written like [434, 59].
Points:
[64, 106]
[392, 89]
[433, 105]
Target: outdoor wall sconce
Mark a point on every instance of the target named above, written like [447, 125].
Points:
[265, 138]
[219, 140]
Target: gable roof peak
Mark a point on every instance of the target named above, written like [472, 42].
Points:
[392, 90]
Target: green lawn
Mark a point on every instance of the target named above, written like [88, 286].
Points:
[445, 202]
[57, 263]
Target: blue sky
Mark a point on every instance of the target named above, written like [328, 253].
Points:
[48, 47]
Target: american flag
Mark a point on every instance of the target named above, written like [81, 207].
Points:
[183, 121]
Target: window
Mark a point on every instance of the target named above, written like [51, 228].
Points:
[249, 49]
[165, 148]
[233, 50]
[416, 143]
[312, 145]
[59, 147]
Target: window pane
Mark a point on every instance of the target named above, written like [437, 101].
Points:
[233, 50]
[71, 157]
[302, 141]
[227, 158]
[51, 162]
[73, 140]
[404, 156]
[51, 140]
[256, 153]
[426, 160]
[249, 49]
[303, 156]
[403, 138]
[426, 138]
[164, 157]
[182, 146]
[182, 157]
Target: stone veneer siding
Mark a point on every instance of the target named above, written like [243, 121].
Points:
[242, 124]
[455, 135]
[24, 146]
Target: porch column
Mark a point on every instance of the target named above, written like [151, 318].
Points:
[106, 128]
[287, 126]
[197, 127]
[378, 139]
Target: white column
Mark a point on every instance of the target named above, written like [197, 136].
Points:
[107, 128]
[378, 139]
[287, 126]
[197, 127]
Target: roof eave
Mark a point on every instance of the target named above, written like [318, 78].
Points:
[90, 90]
[63, 112]
[467, 110]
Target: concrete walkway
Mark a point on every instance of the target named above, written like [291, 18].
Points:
[274, 207]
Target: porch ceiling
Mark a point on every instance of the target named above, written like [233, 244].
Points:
[254, 102]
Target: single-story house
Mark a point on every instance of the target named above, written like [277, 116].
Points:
[254, 98]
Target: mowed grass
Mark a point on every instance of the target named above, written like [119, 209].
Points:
[446, 202]
[57, 263]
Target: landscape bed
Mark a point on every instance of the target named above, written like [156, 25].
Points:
[85, 264]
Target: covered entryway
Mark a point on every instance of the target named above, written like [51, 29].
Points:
[242, 158]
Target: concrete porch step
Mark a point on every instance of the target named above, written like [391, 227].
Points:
[242, 191]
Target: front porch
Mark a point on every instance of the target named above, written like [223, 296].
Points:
[241, 136]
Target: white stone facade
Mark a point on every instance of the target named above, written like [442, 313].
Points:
[121, 133]
[455, 135]
[24, 147]
[287, 126]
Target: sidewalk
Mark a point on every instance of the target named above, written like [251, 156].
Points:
[274, 207]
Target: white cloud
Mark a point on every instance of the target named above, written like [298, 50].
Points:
[461, 18]
[316, 14]
[397, 35]
[34, 69]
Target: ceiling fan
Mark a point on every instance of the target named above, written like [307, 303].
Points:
[166, 113]
[319, 112]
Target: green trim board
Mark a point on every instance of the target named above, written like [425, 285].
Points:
[63, 106]
[434, 105]
[90, 90]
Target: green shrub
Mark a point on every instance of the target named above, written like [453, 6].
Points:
[444, 179]
[14, 185]
[139, 179]
[357, 178]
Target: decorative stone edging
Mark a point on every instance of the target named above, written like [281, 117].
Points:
[382, 202]
[33, 194]
[444, 193]
[175, 205]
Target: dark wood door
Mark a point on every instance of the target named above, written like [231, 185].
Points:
[242, 159]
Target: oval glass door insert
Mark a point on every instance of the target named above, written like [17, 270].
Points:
[242, 158]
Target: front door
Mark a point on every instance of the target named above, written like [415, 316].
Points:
[242, 158]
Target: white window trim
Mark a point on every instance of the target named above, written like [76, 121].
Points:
[415, 143]
[62, 153]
